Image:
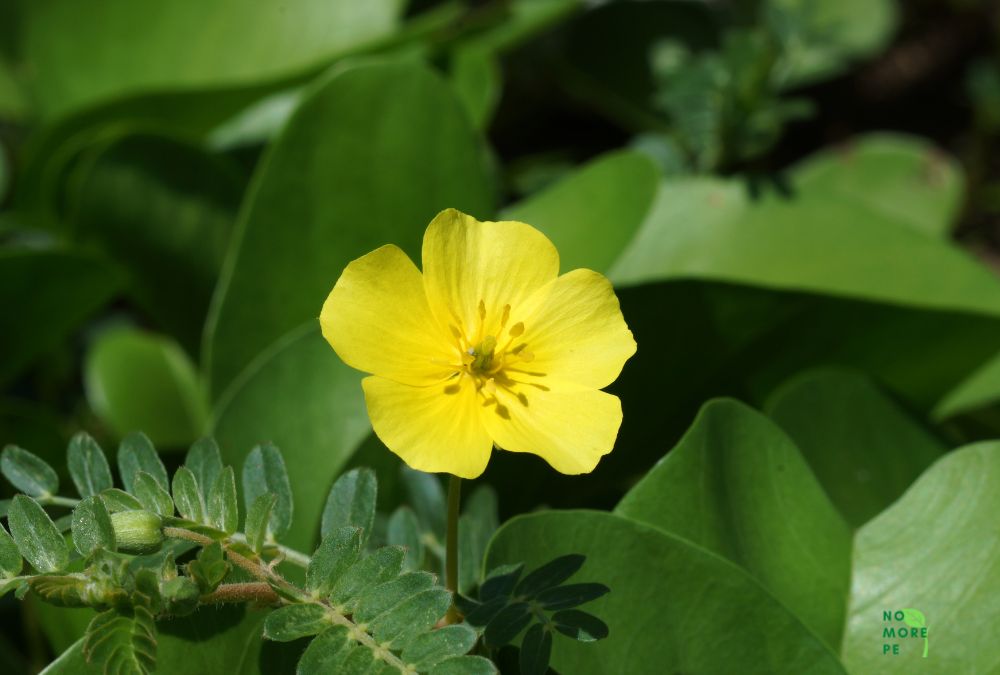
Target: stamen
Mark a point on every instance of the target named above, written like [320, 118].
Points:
[526, 356]
[482, 310]
[517, 329]
[490, 386]
[505, 316]
[489, 344]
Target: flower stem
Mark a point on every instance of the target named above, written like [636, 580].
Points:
[451, 555]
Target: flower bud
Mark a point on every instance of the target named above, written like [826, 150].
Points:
[137, 532]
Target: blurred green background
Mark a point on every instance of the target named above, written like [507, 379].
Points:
[796, 199]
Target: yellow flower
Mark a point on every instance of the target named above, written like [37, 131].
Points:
[488, 346]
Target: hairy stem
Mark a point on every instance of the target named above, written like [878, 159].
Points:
[255, 591]
[451, 555]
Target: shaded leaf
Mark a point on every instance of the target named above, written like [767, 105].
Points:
[10, 556]
[548, 575]
[507, 624]
[570, 595]
[580, 625]
[536, 648]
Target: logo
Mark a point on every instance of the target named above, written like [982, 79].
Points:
[901, 630]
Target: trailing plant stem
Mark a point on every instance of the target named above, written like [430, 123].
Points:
[290, 593]
[451, 555]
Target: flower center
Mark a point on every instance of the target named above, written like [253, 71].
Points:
[491, 354]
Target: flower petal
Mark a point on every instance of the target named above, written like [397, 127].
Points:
[378, 320]
[576, 333]
[466, 261]
[434, 429]
[571, 430]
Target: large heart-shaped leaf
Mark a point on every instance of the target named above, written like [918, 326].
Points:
[673, 607]
[183, 47]
[936, 550]
[861, 445]
[737, 486]
[339, 182]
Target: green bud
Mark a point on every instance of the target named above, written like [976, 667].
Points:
[181, 595]
[137, 531]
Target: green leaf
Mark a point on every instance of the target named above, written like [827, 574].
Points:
[536, 648]
[295, 621]
[941, 531]
[46, 295]
[92, 527]
[549, 575]
[205, 462]
[888, 174]
[478, 522]
[258, 516]
[737, 486]
[500, 582]
[28, 472]
[188, 496]
[151, 495]
[385, 596]
[823, 38]
[507, 624]
[338, 551]
[264, 472]
[242, 47]
[977, 390]
[88, 467]
[465, 665]
[379, 566]
[426, 496]
[475, 76]
[411, 617]
[708, 228]
[122, 644]
[429, 649]
[706, 610]
[351, 502]
[404, 530]
[322, 407]
[61, 591]
[163, 209]
[285, 279]
[169, 406]
[223, 511]
[863, 447]
[116, 500]
[326, 652]
[135, 454]
[914, 617]
[580, 625]
[10, 556]
[574, 213]
[209, 568]
[36, 536]
[570, 595]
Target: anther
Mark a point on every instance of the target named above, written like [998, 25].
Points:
[506, 315]
[482, 310]
[517, 329]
